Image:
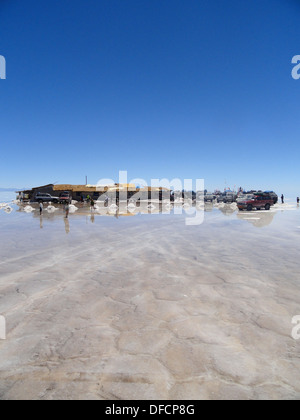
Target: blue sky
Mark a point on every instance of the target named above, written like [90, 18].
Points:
[160, 88]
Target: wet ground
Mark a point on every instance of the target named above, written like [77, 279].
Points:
[149, 306]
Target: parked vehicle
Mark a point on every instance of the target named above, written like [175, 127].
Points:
[227, 197]
[209, 197]
[256, 201]
[273, 195]
[65, 197]
[45, 198]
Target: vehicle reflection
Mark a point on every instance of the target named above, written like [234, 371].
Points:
[208, 207]
[258, 219]
[227, 209]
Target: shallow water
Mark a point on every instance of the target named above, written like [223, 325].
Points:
[7, 196]
[147, 307]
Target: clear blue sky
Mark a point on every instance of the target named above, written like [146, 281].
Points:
[161, 88]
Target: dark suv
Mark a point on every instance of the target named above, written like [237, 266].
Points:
[46, 198]
[209, 197]
[256, 201]
[227, 197]
[273, 195]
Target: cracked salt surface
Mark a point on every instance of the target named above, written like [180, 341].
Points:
[146, 307]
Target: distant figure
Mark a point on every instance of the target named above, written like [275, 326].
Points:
[106, 201]
[92, 204]
[41, 208]
[298, 200]
[88, 198]
[67, 209]
[282, 199]
[81, 199]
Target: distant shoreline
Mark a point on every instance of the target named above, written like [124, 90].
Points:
[9, 189]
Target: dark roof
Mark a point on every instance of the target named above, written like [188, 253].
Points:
[36, 188]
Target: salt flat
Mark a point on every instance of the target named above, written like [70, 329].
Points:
[145, 307]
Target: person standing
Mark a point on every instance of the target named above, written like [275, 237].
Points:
[41, 208]
[92, 204]
[298, 200]
[282, 199]
[67, 209]
[106, 201]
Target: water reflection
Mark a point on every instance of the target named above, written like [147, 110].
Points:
[208, 207]
[258, 219]
[67, 225]
[228, 209]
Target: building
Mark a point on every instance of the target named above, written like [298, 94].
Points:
[78, 192]
[28, 195]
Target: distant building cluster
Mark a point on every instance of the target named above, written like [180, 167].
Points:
[82, 192]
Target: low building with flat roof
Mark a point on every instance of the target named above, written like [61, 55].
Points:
[79, 192]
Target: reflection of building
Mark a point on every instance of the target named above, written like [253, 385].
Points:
[116, 191]
[126, 211]
[101, 209]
